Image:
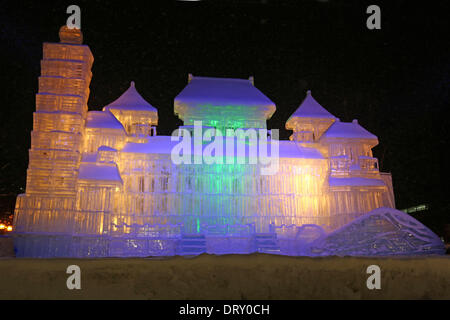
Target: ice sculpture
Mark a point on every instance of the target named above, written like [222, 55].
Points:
[103, 183]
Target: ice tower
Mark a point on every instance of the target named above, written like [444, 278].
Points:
[309, 121]
[57, 137]
[355, 184]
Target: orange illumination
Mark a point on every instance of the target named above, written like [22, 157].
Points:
[2, 226]
[8, 228]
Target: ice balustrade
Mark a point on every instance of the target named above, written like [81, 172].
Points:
[342, 166]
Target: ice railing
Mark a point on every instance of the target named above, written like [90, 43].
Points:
[305, 233]
[283, 231]
[146, 230]
[340, 165]
[228, 229]
[176, 230]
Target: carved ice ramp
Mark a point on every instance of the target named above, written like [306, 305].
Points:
[381, 232]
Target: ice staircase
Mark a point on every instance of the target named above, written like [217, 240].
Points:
[266, 243]
[192, 244]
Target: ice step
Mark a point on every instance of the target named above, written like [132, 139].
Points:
[266, 243]
[192, 244]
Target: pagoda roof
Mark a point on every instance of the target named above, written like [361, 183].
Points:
[348, 130]
[131, 100]
[222, 92]
[310, 108]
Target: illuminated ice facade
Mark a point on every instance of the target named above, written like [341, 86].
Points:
[102, 183]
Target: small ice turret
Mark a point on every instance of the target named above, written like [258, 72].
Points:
[309, 121]
[136, 115]
[350, 149]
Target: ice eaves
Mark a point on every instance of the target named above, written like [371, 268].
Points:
[348, 130]
[222, 91]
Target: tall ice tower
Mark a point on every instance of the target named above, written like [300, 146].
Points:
[57, 136]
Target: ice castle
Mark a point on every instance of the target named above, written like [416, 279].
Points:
[103, 183]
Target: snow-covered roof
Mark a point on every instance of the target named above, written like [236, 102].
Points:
[291, 149]
[99, 171]
[102, 119]
[131, 100]
[154, 144]
[310, 108]
[348, 130]
[222, 91]
[89, 157]
[355, 181]
[164, 145]
[106, 148]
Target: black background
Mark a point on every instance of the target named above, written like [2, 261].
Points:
[394, 80]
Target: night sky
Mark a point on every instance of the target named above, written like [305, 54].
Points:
[394, 80]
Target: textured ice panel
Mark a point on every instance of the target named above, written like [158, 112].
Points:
[381, 232]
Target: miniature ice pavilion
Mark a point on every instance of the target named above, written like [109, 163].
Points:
[104, 183]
